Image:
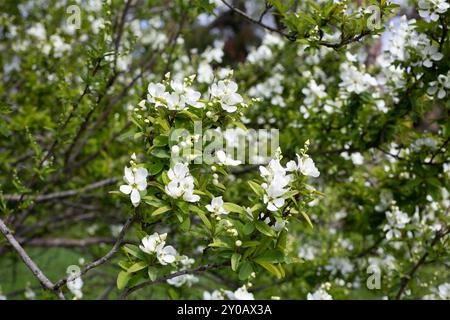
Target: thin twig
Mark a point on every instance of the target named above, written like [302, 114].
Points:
[107, 256]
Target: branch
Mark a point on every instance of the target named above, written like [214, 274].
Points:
[198, 269]
[246, 16]
[419, 263]
[61, 194]
[45, 282]
[106, 257]
[70, 243]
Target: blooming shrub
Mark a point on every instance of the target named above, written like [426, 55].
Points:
[225, 149]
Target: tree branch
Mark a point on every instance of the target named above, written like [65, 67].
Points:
[107, 256]
[61, 194]
[45, 282]
[198, 269]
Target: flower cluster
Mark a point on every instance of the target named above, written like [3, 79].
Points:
[156, 244]
[397, 220]
[239, 294]
[181, 183]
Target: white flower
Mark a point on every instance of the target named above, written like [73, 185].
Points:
[357, 158]
[181, 184]
[165, 255]
[3, 297]
[440, 86]
[444, 291]
[136, 180]
[30, 294]
[149, 243]
[156, 91]
[216, 206]
[320, 294]
[38, 31]
[429, 54]
[275, 191]
[313, 92]
[243, 294]
[430, 9]
[397, 220]
[226, 92]
[276, 184]
[74, 283]
[226, 160]
[190, 96]
[307, 167]
[354, 80]
[215, 295]
[186, 279]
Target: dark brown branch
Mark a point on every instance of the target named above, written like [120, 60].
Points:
[45, 282]
[61, 194]
[198, 269]
[107, 256]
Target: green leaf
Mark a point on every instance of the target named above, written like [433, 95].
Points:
[218, 244]
[160, 153]
[256, 188]
[161, 141]
[245, 270]
[265, 229]
[272, 256]
[155, 168]
[133, 250]
[122, 279]
[189, 115]
[186, 224]
[248, 244]
[204, 219]
[307, 219]
[161, 210]
[248, 228]
[232, 207]
[235, 258]
[152, 273]
[271, 268]
[137, 266]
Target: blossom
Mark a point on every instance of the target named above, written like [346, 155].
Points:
[149, 243]
[313, 92]
[74, 283]
[215, 295]
[165, 254]
[429, 54]
[444, 291]
[181, 183]
[190, 96]
[276, 184]
[156, 244]
[225, 92]
[274, 192]
[226, 160]
[397, 220]
[216, 206]
[242, 294]
[430, 10]
[156, 92]
[440, 86]
[307, 167]
[136, 180]
[320, 294]
[186, 279]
